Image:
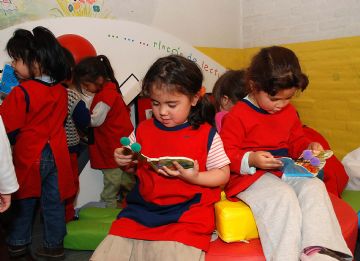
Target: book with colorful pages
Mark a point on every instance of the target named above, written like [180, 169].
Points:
[307, 165]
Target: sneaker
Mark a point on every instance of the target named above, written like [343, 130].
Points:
[17, 251]
[56, 253]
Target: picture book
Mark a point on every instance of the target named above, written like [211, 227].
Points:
[8, 79]
[155, 163]
[307, 165]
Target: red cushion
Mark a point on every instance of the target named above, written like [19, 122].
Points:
[252, 251]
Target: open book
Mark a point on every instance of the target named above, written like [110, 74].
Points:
[155, 163]
[307, 165]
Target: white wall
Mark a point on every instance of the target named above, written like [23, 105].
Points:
[214, 23]
[283, 21]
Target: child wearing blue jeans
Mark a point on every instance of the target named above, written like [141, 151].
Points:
[34, 112]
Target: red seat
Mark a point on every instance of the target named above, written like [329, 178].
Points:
[252, 251]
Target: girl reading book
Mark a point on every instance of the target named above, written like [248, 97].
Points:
[294, 216]
[170, 214]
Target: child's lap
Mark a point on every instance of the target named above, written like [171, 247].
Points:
[269, 187]
[127, 249]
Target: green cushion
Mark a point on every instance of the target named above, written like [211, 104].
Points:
[85, 234]
[99, 213]
[91, 228]
[352, 197]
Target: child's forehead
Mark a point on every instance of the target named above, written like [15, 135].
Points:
[165, 89]
[166, 94]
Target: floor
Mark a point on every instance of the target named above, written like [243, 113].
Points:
[69, 254]
[36, 242]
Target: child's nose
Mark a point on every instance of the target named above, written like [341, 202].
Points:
[163, 110]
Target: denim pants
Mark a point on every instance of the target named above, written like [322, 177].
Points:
[52, 209]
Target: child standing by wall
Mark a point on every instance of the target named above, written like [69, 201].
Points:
[110, 120]
[36, 110]
[227, 91]
[294, 216]
[170, 213]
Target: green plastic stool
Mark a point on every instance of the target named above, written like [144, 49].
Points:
[91, 228]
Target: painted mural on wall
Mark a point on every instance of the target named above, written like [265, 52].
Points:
[14, 12]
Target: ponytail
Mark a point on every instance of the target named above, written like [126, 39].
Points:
[109, 70]
[91, 68]
[50, 55]
[203, 111]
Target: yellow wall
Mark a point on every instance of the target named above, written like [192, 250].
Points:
[331, 102]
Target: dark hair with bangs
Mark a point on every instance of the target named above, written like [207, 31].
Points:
[39, 46]
[176, 73]
[275, 68]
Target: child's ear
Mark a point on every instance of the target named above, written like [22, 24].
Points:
[224, 100]
[195, 99]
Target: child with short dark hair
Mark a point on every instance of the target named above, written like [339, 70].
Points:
[169, 215]
[294, 216]
[78, 120]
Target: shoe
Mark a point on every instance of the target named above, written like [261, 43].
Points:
[17, 251]
[56, 253]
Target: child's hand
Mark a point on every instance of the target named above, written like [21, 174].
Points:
[264, 160]
[5, 201]
[121, 159]
[315, 146]
[180, 172]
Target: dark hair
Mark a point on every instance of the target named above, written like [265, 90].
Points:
[230, 84]
[39, 46]
[176, 73]
[273, 69]
[91, 68]
[70, 60]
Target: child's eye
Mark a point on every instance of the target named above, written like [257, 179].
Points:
[155, 103]
[172, 105]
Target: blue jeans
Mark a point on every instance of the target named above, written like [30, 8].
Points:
[53, 210]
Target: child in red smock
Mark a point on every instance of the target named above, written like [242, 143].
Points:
[170, 213]
[34, 114]
[294, 215]
[110, 120]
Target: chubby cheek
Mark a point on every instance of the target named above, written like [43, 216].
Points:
[155, 112]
